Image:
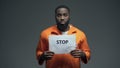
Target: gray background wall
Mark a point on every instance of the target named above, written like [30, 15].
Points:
[21, 22]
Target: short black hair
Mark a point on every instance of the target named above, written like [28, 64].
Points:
[62, 6]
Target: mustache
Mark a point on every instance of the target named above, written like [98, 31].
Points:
[62, 27]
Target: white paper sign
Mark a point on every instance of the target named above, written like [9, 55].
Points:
[61, 44]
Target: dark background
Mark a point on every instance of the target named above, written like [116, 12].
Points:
[21, 22]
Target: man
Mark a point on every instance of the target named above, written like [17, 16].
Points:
[62, 27]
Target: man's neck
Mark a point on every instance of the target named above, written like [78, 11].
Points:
[66, 29]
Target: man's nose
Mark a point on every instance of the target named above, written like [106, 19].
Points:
[62, 18]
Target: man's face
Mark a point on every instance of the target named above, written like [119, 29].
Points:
[62, 15]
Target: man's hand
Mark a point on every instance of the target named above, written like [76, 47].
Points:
[48, 55]
[76, 53]
[79, 54]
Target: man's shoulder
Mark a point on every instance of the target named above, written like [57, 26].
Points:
[77, 29]
[79, 32]
[48, 30]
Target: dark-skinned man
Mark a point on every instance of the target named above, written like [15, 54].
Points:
[63, 27]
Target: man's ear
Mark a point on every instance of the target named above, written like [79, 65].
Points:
[69, 18]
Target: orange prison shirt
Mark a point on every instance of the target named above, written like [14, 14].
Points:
[62, 60]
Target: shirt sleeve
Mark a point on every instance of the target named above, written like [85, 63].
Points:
[85, 48]
[41, 47]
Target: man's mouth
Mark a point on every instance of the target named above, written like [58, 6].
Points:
[62, 22]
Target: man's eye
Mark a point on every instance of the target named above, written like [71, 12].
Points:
[58, 15]
[65, 15]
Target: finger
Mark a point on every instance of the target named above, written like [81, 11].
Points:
[73, 51]
[49, 52]
[52, 52]
[48, 57]
[76, 56]
[77, 52]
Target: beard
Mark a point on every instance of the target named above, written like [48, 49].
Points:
[62, 27]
